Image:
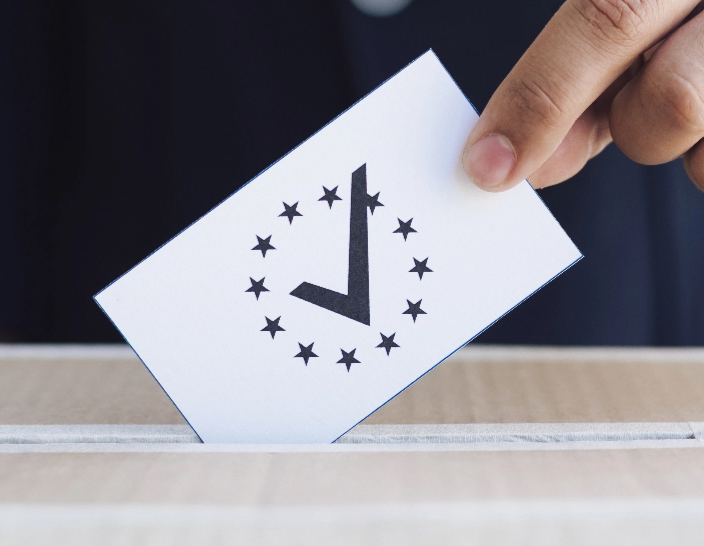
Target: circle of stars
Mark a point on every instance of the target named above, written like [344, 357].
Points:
[306, 353]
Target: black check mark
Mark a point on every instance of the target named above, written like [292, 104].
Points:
[354, 304]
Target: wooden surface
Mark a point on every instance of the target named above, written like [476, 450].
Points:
[627, 493]
[524, 385]
[60, 385]
[339, 479]
[109, 385]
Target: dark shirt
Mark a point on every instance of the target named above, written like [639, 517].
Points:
[127, 120]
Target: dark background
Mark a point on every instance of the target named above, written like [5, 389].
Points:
[121, 122]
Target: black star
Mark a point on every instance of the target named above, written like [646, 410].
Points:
[330, 195]
[306, 353]
[373, 202]
[388, 342]
[264, 245]
[421, 267]
[272, 326]
[414, 310]
[348, 358]
[257, 287]
[405, 228]
[290, 212]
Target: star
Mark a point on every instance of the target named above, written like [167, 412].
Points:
[306, 353]
[272, 326]
[257, 287]
[421, 267]
[330, 195]
[290, 212]
[373, 202]
[405, 228]
[388, 342]
[263, 245]
[414, 310]
[348, 358]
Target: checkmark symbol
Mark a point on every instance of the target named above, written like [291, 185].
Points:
[355, 304]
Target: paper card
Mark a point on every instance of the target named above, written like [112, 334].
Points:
[338, 276]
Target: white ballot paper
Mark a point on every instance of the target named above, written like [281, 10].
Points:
[338, 276]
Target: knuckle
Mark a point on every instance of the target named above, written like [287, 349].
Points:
[681, 103]
[694, 166]
[540, 101]
[618, 21]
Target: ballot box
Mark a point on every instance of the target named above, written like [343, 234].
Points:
[498, 445]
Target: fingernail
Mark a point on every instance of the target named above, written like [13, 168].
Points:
[489, 161]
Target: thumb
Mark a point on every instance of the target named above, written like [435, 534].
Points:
[582, 50]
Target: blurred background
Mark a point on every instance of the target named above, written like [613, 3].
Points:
[123, 122]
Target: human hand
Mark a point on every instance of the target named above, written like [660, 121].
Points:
[631, 71]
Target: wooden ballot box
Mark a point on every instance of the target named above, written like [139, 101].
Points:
[497, 445]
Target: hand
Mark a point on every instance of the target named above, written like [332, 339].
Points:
[631, 71]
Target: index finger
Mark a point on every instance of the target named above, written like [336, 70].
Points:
[582, 50]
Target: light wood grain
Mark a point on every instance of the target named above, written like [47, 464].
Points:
[109, 385]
